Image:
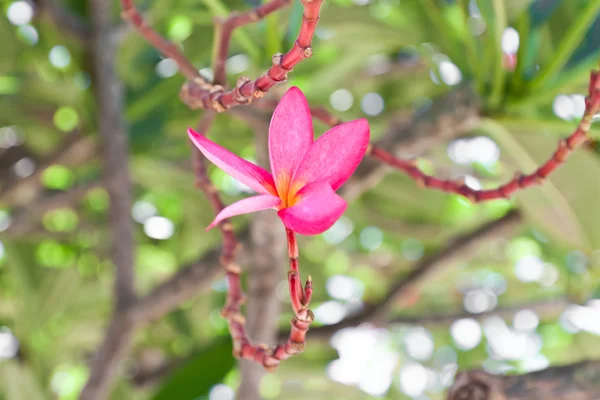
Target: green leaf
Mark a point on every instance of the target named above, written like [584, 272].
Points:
[565, 205]
[499, 72]
[471, 43]
[218, 8]
[273, 35]
[568, 44]
[195, 378]
[526, 52]
[294, 22]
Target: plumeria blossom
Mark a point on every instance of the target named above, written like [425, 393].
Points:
[304, 173]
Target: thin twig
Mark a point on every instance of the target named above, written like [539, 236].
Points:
[24, 218]
[10, 190]
[167, 48]
[198, 92]
[224, 27]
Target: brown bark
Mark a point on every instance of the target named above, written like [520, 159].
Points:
[109, 97]
[570, 382]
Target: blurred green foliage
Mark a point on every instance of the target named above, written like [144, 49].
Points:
[55, 282]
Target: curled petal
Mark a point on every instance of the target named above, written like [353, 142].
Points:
[290, 137]
[244, 171]
[246, 206]
[336, 154]
[316, 210]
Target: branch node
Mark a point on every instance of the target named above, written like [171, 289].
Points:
[276, 58]
[308, 52]
[238, 247]
[237, 317]
[298, 347]
[254, 17]
[226, 226]
[237, 348]
[270, 368]
[259, 94]
[237, 92]
[467, 192]
[233, 268]
[519, 179]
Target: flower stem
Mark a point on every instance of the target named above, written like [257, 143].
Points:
[268, 357]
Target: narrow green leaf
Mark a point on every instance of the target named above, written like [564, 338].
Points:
[562, 206]
[568, 44]
[294, 22]
[432, 14]
[218, 8]
[498, 67]
[273, 34]
[471, 44]
[524, 29]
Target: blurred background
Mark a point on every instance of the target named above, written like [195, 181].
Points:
[411, 285]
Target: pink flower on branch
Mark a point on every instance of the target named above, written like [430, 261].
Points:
[304, 173]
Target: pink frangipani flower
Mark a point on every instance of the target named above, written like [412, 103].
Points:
[305, 173]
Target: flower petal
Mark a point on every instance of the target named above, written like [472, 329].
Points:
[318, 208]
[290, 137]
[336, 154]
[245, 206]
[244, 171]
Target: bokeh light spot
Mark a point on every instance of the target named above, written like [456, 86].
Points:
[19, 12]
[59, 57]
[66, 119]
[58, 177]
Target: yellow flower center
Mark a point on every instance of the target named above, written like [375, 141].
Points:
[289, 193]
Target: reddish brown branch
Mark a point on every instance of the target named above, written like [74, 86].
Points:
[565, 148]
[197, 94]
[296, 341]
